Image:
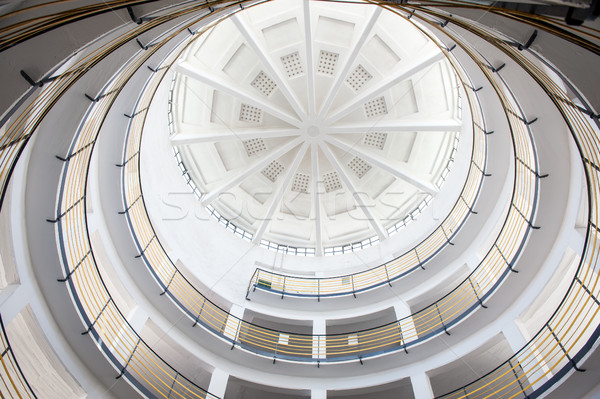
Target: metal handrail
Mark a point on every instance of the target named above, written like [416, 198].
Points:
[433, 320]
[412, 260]
[585, 279]
[126, 350]
[12, 377]
[572, 328]
[21, 31]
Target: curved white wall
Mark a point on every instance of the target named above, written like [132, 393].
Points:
[31, 201]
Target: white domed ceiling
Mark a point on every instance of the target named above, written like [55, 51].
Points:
[313, 126]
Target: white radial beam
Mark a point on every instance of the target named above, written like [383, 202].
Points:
[223, 85]
[271, 70]
[362, 37]
[202, 136]
[375, 222]
[310, 73]
[409, 177]
[254, 168]
[387, 83]
[402, 125]
[278, 197]
[314, 155]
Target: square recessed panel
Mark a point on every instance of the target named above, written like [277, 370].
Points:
[332, 182]
[300, 183]
[292, 65]
[334, 31]
[375, 139]
[358, 78]
[327, 62]
[254, 146]
[380, 54]
[376, 107]
[264, 84]
[282, 34]
[238, 65]
[273, 170]
[405, 98]
[359, 166]
[249, 113]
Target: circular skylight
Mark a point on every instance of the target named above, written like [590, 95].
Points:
[315, 125]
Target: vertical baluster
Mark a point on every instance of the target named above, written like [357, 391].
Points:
[441, 318]
[387, 274]
[97, 317]
[563, 349]
[476, 294]
[517, 378]
[129, 360]
[283, 290]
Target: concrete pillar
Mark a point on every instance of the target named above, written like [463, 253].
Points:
[124, 341]
[527, 358]
[421, 386]
[232, 325]
[218, 383]
[13, 298]
[409, 333]
[318, 394]
[137, 318]
[473, 261]
[319, 341]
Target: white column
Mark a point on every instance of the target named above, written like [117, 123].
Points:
[421, 386]
[407, 324]
[473, 262]
[124, 341]
[319, 340]
[317, 288]
[318, 394]
[13, 298]
[231, 329]
[137, 318]
[218, 383]
[516, 340]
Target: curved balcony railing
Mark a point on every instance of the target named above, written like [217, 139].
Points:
[412, 260]
[563, 341]
[22, 127]
[574, 327]
[389, 272]
[99, 311]
[14, 383]
[28, 28]
[396, 336]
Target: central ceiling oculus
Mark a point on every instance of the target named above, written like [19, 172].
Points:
[315, 125]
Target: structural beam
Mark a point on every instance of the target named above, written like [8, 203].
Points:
[396, 171]
[387, 83]
[375, 223]
[226, 86]
[314, 154]
[203, 136]
[278, 197]
[403, 125]
[310, 72]
[362, 38]
[254, 168]
[273, 72]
